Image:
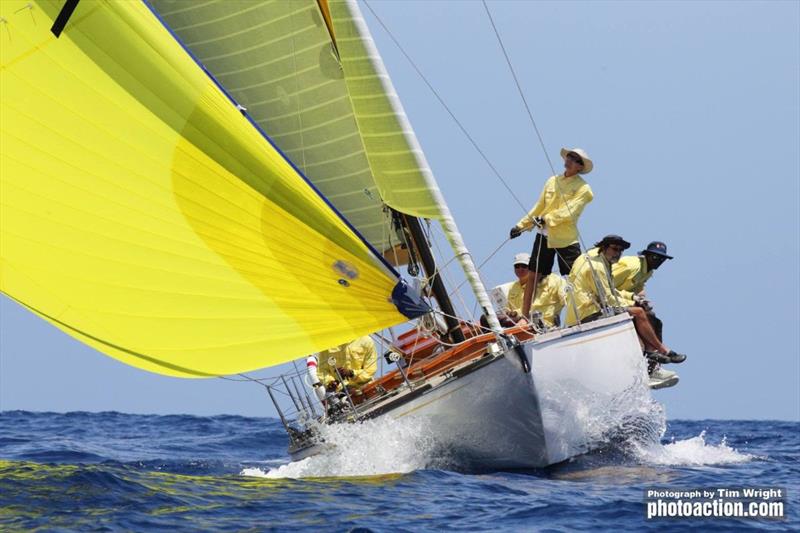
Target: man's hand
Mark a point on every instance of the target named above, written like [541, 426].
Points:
[346, 372]
[332, 386]
[514, 233]
[642, 302]
[539, 221]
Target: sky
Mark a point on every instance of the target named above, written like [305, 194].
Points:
[691, 114]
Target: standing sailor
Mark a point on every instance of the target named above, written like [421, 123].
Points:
[555, 216]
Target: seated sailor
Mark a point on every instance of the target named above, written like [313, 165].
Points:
[517, 289]
[631, 273]
[508, 297]
[547, 301]
[593, 289]
[356, 362]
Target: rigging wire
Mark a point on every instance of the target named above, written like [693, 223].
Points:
[446, 107]
[519, 88]
[582, 244]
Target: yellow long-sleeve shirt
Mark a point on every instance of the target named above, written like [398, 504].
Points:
[359, 356]
[560, 204]
[548, 300]
[585, 289]
[515, 296]
[630, 273]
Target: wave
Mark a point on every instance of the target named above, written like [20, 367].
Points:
[370, 448]
[695, 451]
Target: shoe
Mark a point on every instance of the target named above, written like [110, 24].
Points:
[661, 379]
[661, 373]
[675, 357]
[658, 357]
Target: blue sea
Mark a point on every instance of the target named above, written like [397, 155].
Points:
[115, 471]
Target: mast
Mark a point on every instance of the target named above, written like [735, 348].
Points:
[420, 244]
[445, 217]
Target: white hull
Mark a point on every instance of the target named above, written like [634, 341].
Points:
[581, 383]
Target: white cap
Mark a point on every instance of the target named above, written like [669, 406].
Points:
[522, 259]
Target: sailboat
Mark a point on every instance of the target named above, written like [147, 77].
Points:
[208, 189]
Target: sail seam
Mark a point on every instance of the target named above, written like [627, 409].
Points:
[258, 128]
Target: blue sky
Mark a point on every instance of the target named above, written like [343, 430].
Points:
[691, 112]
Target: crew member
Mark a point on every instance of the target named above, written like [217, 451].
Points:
[632, 272]
[593, 289]
[513, 308]
[356, 362]
[555, 216]
[548, 299]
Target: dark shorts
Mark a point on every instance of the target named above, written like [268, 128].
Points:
[658, 326]
[542, 257]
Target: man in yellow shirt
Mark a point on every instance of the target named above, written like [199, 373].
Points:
[548, 299]
[517, 290]
[632, 272]
[593, 289]
[356, 361]
[555, 216]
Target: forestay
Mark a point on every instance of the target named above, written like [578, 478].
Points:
[144, 215]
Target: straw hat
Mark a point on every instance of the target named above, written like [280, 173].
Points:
[587, 161]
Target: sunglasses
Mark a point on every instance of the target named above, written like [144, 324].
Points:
[616, 248]
[520, 265]
[575, 158]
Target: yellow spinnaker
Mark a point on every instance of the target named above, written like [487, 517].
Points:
[144, 215]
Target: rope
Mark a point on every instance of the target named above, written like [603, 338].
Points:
[544, 148]
[457, 294]
[519, 88]
[491, 255]
[446, 107]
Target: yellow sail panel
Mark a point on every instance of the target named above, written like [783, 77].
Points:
[398, 164]
[277, 60]
[143, 214]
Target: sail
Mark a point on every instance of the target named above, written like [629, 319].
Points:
[142, 213]
[308, 78]
[398, 163]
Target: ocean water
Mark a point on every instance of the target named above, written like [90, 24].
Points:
[114, 471]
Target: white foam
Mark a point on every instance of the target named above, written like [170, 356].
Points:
[694, 452]
[370, 448]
